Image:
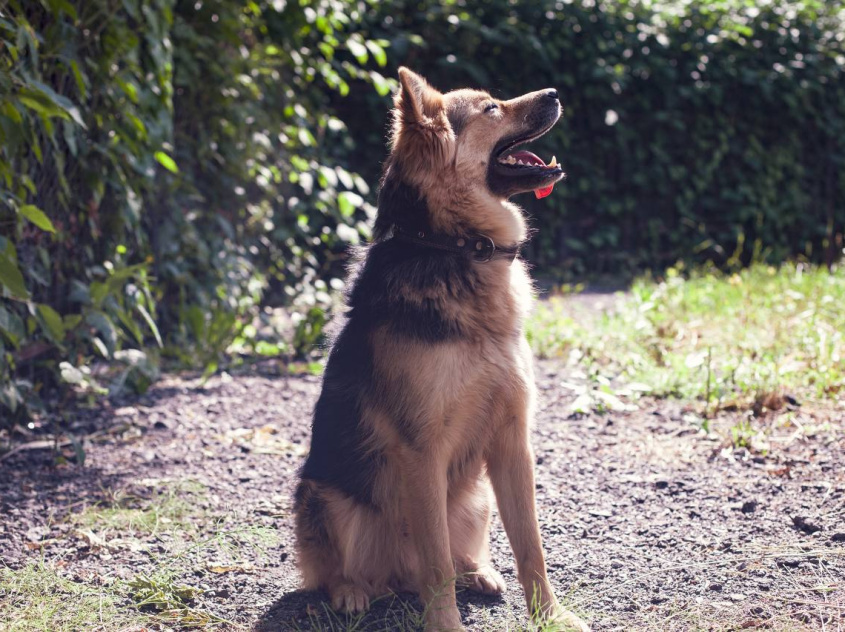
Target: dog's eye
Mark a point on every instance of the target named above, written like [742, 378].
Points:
[490, 107]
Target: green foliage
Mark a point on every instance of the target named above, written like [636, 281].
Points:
[168, 165]
[161, 163]
[689, 127]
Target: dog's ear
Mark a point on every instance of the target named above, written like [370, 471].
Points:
[417, 102]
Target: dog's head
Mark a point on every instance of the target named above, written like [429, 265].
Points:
[459, 152]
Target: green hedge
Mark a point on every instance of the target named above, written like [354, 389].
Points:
[692, 130]
[161, 163]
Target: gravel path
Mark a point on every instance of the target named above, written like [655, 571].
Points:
[649, 523]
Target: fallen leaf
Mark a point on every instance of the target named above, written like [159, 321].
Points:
[94, 541]
[233, 568]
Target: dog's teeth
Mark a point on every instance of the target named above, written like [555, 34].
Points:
[553, 162]
[511, 160]
[519, 162]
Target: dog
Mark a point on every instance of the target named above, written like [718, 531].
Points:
[428, 391]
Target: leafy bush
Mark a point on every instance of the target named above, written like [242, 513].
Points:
[692, 130]
[161, 163]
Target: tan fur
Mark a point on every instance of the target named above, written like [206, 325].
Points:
[470, 401]
[452, 173]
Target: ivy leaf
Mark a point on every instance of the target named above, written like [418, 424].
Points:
[12, 326]
[378, 52]
[358, 50]
[12, 278]
[166, 161]
[52, 322]
[37, 217]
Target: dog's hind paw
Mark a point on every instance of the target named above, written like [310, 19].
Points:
[349, 598]
[485, 580]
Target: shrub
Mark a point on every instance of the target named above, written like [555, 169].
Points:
[692, 130]
[160, 163]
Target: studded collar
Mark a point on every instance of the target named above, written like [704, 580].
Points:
[478, 247]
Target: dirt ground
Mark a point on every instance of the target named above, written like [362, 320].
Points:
[649, 522]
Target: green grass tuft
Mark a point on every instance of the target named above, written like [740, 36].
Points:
[727, 340]
[37, 597]
[163, 506]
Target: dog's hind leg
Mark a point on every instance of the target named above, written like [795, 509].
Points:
[469, 537]
[317, 557]
[327, 551]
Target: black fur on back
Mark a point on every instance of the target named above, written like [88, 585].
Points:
[390, 271]
[398, 203]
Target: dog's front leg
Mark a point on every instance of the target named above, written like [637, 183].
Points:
[425, 490]
[510, 465]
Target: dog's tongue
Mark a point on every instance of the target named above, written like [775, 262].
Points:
[530, 158]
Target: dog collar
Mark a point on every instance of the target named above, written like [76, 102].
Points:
[479, 247]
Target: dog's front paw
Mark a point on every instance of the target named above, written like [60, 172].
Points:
[443, 619]
[349, 598]
[484, 579]
[570, 622]
[563, 620]
[544, 607]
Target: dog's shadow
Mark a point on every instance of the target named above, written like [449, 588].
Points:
[310, 612]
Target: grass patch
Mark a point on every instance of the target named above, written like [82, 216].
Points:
[161, 506]
[164, 593]
[197, 545]
[749, 340]
[38, 597]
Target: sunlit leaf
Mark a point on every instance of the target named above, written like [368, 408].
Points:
[347, 202]
[378, 52]
[150, 323]
[70, 373]
[357, 49]
[166, 161]
[37, 217]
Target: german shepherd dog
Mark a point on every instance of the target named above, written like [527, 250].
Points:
[428, 392]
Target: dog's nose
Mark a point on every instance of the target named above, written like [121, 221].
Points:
[552, 94]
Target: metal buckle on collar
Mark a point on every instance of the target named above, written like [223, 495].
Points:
[484, 249]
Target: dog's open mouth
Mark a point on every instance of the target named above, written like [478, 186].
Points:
[522, 159]
[527, 166]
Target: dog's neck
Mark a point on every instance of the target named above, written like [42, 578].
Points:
[460, 213]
